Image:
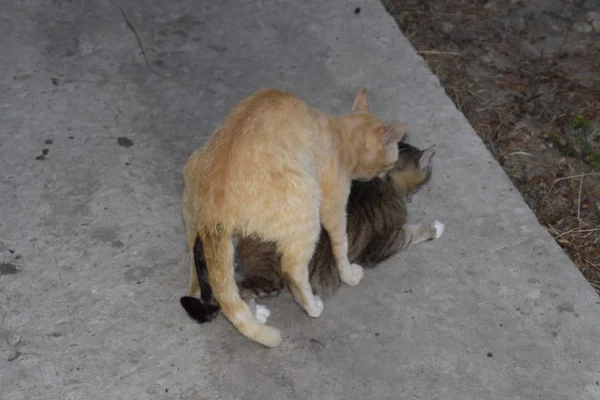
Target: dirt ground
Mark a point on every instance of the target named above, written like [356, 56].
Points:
[526, 74]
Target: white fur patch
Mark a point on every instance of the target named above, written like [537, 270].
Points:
[352, 274]
[317, 308]
[262, 313]
[439, 229]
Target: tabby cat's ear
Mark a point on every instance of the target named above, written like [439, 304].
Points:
[425, 159]
[361, 103]
[393, 134]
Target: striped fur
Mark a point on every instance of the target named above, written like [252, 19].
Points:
[279, 169]
[376, 231]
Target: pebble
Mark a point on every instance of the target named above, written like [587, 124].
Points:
[594, 18]
[447, 27]
[13, 356]
[582, 27]
[592, 15]
[14, 340]
[529, 50]
[502, 63]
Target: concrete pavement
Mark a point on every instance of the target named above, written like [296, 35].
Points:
[92, 249]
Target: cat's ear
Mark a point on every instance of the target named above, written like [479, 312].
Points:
[404, 137]
[393, 134]
[426, 155]
[361, 103]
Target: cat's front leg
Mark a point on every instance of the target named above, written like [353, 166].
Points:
[351, 274]
[334, 222]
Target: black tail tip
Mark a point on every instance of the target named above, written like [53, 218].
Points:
[198, 310]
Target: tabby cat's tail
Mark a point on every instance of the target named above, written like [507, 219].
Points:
[206, 308]
[218, 250]
[266, 284]
[198, 310]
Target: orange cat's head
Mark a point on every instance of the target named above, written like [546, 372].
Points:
[375, 142]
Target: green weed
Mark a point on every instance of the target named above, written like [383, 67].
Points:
[581, 122]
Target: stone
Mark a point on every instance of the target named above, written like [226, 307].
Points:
[13, 356]
[447, 27]
[592, 15]
[502, 63]
[529, 51]
[582, 27]
[14, 340]
[594, 18]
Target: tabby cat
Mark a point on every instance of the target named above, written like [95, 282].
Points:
[376, 231]
[279, 170]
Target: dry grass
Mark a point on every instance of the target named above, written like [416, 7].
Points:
[523, 109]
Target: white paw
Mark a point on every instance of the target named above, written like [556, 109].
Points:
[439, 229]
[317, 308]
[352, 274]
[262, 313]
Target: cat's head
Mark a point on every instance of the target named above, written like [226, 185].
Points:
[412, 169]
[374, 143]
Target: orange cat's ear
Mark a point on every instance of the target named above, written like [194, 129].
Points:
[361, 103]
[393, 134]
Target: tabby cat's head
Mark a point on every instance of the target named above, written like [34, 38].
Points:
[412, 170]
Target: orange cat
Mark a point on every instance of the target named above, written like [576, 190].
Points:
[278, 169]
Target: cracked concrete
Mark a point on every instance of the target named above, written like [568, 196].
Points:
[492, 310]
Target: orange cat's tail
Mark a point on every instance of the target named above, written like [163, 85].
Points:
[218, 250]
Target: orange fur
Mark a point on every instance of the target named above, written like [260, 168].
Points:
[277, 169]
